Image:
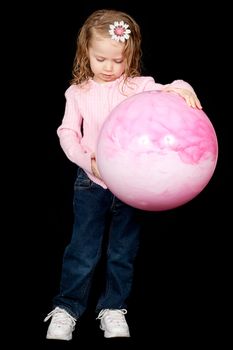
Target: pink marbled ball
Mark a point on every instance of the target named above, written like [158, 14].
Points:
[155, 152]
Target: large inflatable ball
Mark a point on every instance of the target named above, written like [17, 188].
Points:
[155, 152]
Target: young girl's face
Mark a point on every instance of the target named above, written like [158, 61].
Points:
[106, 59]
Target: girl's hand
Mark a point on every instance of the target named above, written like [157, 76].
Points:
[94, 167]
[190, 97]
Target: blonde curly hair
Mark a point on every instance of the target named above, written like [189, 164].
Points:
[99, 22]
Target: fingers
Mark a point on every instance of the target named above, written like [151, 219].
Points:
[193, 101]
[94, 168]
[190, 98]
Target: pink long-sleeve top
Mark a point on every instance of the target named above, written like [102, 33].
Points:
[87, 107]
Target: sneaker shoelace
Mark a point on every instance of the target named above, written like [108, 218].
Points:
[61, 317]
[115, 317]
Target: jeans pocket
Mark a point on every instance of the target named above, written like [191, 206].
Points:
[82, 180]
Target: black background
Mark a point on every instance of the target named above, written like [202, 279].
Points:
[182, 278]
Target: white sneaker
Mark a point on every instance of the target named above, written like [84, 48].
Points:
[61, 326]
[113, 323]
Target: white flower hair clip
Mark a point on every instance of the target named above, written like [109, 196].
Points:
[119, 31]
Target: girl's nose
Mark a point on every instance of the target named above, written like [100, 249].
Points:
[108, 66]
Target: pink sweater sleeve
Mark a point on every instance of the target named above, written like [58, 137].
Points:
[70, 133]
[152, 85]
[182, 84]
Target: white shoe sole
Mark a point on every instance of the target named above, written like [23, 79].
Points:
[58, 337]
[115, 334]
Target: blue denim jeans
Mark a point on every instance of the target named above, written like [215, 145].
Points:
[94, 209]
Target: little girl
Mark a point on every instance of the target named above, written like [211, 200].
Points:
[106, 71]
